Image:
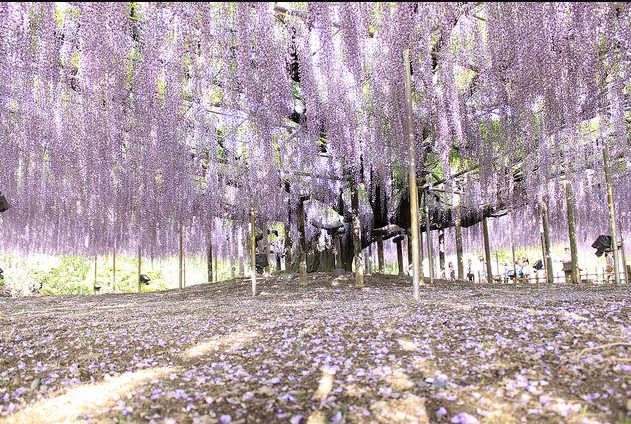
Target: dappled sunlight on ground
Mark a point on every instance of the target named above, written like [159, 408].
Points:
[80, 402]
[320, 353]
[410, 409]
[230, 342]
[326, 383]
[407, 344]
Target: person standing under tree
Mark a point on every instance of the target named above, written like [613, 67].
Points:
[452, 272]
[482, 277]
[525, 266]
[609, 266]
[470, 274]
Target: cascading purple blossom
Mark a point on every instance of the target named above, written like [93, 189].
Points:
[121, 123]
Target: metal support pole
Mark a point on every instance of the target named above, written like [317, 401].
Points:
[414, 228]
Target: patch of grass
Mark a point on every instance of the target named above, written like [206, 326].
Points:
[296, 352]
[583, 411]
[623, 419]
[88, 341]
[125, 419]
[343, 410]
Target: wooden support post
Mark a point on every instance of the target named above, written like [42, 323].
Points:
[399, 254]
[279, 265]
[572, 230]
[95, 280]
[139, 268]
[209, 259]
[266, 246]
[612, 215]
[288, 245]
[180, 264]
[408, 244]
[430, 248]
[338, 250]
[302, 244]
[441, 252]
[414, 228]
[421, 272]
[512, 246]
[487, 250]
[114, 269]
[545, 223]
[357, 235]
[623, 260]
[209, 256]
[240, 251]
[458, 224]
[382, 268]
[253, 248]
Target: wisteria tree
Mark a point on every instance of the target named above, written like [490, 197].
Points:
[141, 124]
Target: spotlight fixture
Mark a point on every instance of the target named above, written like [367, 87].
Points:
[1, 276]
[4, 205]
[144, 279]
[602, 244]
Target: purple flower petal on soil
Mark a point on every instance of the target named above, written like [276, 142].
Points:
[464, 418]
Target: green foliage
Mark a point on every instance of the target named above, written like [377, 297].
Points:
[71, 275]
[623, 419]
[296, 91]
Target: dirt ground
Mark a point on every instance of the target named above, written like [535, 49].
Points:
[325, 352]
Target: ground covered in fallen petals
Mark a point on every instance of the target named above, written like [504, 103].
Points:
[324, 352]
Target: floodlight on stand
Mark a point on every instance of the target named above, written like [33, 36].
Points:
[4, 205]
[144, 279]
[602, 244]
